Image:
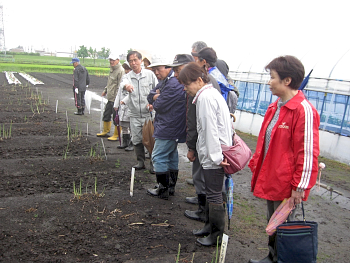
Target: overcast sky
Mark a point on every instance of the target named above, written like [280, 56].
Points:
[246, 34]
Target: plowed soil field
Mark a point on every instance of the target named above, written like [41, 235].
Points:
[47, 153]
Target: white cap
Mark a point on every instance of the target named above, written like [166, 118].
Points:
[113, 56]
[159, 61]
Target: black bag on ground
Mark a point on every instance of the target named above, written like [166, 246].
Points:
[297, 241]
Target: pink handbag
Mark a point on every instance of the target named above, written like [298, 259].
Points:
[237, 155]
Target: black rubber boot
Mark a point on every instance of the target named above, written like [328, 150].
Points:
[140, 156]
[199, 214]
[78, 112]
[264, 260]
[162, 191]
[217, 225]
[125, 141]
[151, 168]
[205, 231]
[82, 111]
[192, 200]
[173, 179]
[130, 145]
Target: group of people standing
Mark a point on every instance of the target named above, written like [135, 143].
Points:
[193, 99]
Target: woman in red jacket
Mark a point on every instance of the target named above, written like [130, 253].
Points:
[285, 162]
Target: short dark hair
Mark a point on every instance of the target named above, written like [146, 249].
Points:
[288, 66]
[125, 66]
[191, 72]
[138, 54]
[198, 45]
[209, 55]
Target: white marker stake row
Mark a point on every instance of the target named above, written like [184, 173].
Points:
[31, 79]
[11, 79]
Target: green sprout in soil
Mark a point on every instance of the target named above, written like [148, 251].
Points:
[66, 151]
[117, 164]
[5, 133]
[77, 190]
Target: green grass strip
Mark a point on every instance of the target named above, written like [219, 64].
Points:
[50, 69]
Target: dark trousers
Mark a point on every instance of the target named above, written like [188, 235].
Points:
[109, 111]
[213, 185]
[79, 99]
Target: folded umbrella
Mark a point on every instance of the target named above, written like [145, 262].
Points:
[229, 195]
[279, 216]
[305, 81]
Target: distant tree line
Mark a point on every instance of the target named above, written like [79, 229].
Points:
[84, 52]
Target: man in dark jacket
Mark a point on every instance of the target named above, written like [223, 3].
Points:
[169, 101]
[80, 81]
[220, 64]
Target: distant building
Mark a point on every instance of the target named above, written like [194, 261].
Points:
[17, 49]
[66, 54]
[122, 57]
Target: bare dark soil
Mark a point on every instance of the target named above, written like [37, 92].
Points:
[44, 153]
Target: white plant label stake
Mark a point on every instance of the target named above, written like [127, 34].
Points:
[132, 182]
[56, 105]
[224, 244]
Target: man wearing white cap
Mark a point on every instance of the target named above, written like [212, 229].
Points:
[169, 101]
[116, 73]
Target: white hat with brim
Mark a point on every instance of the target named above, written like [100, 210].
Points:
[159, 61]
[113, 57]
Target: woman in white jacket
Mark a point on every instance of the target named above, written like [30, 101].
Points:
[214, 127]
[120, 104]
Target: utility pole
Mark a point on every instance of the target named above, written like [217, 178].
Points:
[2, 34]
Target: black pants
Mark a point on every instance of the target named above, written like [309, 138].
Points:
[213, 185]
[79, 99]
[109, 111]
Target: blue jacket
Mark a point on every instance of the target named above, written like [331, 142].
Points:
[170, 107]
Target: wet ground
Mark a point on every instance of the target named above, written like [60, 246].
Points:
[41, 220]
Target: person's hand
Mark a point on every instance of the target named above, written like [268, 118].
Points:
[122, 102]
[156, 96]
[296, 198]
[224, 163]
[129, 88]
[76, 90]
[190, 155]
[103, 94]
[150, 107]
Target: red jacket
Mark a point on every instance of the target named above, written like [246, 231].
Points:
[291, 160]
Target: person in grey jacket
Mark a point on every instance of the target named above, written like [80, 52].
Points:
[81, 80]
[116, 73]
[139, 82]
